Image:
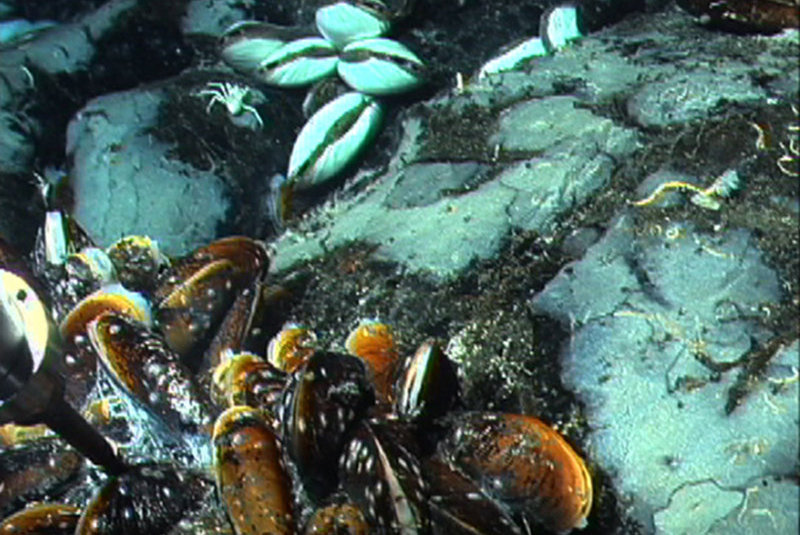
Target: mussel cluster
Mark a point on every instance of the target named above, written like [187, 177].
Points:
[223, 432]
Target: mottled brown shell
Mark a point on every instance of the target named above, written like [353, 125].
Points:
[251, 479]
[42, 519]
[339, 519]
[525, 463]
[148, 498]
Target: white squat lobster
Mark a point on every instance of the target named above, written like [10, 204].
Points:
[232, 97]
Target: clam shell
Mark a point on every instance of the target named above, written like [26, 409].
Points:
[344, 22]
[380, 67]
[298, 63]
[246, 44]
[560, 25]
[332, 138]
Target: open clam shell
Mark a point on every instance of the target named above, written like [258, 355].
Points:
[345, 22]
[298, 63]
[380, 66]
[246, 44]
[333, 138]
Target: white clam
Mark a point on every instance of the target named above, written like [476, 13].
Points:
[332, 138]
[380, 66]
[55, 238]
[298, 63]
[343, 22]
[560, 25]
[246, 44]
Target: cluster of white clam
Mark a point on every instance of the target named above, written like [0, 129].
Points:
[349, 43]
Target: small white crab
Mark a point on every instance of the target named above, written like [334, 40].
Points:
[232, 96]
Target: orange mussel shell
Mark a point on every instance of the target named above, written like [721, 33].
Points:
[526, 464]
[373, 342]
[291, 348]
[344, 519]
[251, 479]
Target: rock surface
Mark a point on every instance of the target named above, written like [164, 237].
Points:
[507, 215]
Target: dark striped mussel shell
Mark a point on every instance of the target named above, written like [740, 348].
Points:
[458, 505]
[146, 499]
[36, 469]
[526, 464]
[323, 402]
[428, 386]
[140, 362]
[42, 519]
[380, 471]
[196, 292]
